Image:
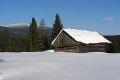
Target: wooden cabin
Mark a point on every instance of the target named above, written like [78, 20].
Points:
[79, 41]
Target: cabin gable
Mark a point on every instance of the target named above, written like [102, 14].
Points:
[64, 39]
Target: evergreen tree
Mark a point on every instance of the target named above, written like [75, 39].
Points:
[11, 43]
[3, 40]
[34, 41]
[57, 26]
[43, 35]
[42, 23]
[115, 46]
[42, 26]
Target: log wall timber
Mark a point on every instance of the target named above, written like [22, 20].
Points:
[82, 48]
[68, 49]
[93, 48]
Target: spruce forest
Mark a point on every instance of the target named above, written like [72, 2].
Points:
[39, 41]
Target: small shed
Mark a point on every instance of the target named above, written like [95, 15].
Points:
[72, 40]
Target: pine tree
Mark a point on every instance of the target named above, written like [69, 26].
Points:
[3, 43]
[57, 26]
[43, 35]
[34, 41]
[42, 23]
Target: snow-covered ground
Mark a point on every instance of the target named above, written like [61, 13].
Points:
[59, 66]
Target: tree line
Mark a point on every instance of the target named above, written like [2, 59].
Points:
[38, 41]
[115, 46]
[35, 41]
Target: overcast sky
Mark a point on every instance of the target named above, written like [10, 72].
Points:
[102, 16]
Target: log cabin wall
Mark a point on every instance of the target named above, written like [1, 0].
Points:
[93, 48]
[83, 48]
[68, 49]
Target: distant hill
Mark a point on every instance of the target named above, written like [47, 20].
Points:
[10, 31]
[22, 29]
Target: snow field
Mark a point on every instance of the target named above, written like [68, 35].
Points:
[59, 66]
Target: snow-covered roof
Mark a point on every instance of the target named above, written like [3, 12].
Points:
[84, 36]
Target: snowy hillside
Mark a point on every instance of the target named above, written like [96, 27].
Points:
[22, 29]
[59, 66]
[19, 25]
